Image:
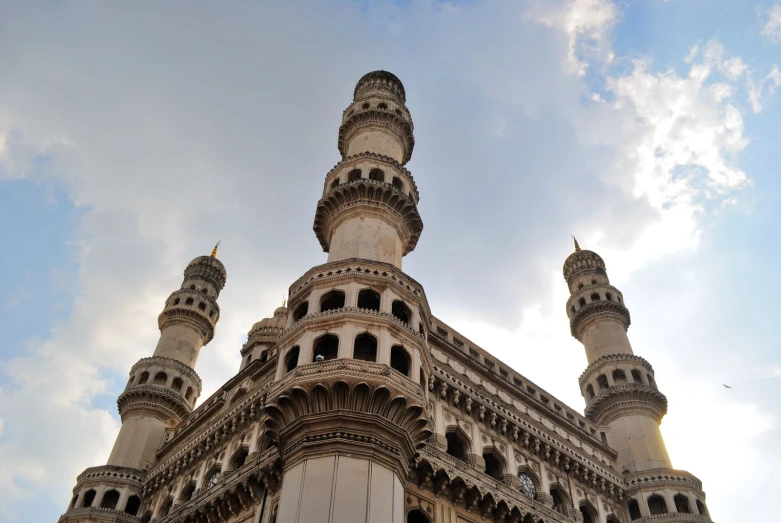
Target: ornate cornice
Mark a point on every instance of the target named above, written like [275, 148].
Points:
[384, 196]
[655, 478]
[381, 158]
[618, 400]
[383, 118]
[187, 315]
[208, 269]
[598, 310]
[157, 401]
[97, 515]
[161, 361]
[613, 358]
[111, 474]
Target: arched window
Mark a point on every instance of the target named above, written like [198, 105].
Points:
[176, 301]
[559, 501]
[132, 505]
[608, 296]
[192, 287]
[366, 105]
[401, 311]
[301, 310]
[457, 444]
[189, 394]
[291, 359]
[657, 505]
[354, 175]
[619, 377]
[73, 501]
[177, 384]
[160, 378]
[332, 300]
[650, 380]
[377, 175]
[589, 392]
[590, 514]
[400, 359]
[187, 492]
[263, 356]
[701, 508]
[594, 282]
[382, 106]
[397, 183]
[493, 466]
[212, 478]
[595, 297]
[144, 378]
[682, 504]
[335, 183]
[202, 306]
[188, 301]
[423, 382]
[582, 302]
[369, 299]
[634, 509]
[165, 508]
[417, 516]
[602, 382]
[110, 499]
[239, 458]
[365, 348]
[637, 377]
[572, 309]
[326, 346]
[249, 359]
[527, 485]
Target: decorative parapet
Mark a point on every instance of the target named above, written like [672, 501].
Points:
[381, 158]
[598, 310]
[386, 118]
[97, 515]
[610, 358]
[351, 313]
[673, 517]
[615, 401]
[663, 478]
[171, 363]
[155, 400]
[111, 474]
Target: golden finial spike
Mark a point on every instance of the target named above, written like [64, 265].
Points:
[214, 251]
[284, 301]
[577, 247]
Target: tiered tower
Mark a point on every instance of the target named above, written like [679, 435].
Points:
[161, 392]
[348, 408]
[621, 393]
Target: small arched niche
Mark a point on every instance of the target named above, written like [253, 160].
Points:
[457, 443]
[494, 466]
[354, 175]
[377, 175]
[110, 499]
[619, 377]
[132, 505]
[326, 346]
[602, 382]
[401, 311]
[160, 378]
[291, 358]
[365, 347]
[301, 310]
[682, 504]
[332, 300]
[417, 516]
[634, 509]
[657, 505]
[400, 359]
[369, 299]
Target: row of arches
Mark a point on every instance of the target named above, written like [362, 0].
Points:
[365, 345]
[109, 500]
[382, 106]
[160, 379]
[619, 377]
[657, 505]
[368, 299]
[595, 297]
[376, 174]
[190, 302]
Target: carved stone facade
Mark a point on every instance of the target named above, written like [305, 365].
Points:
[354, 404]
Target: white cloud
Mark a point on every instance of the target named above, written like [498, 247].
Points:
[766, 87]
[772, 27]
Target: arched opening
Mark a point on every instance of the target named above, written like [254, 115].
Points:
[160, 378]
[354, 175]
[457, 444]
[417, 516]
[369, 299]
[176, 301]
[239, 458]
[528, 488]
[188, 301]
[595, 297]
[559, 501]
[397, 183]
[493, 466]
[377, 175]
[202, 306]
[263, 356]
[382, 106]
[582, 302]
[144, 378]
[165, 508]
[400, 359]
[602, 382]
[619, 377]
[650, 380]
[73, 501]
[335, 183]
[365, 348]
[590, 514]
[366, 105]
[634, 509]
[291, 359]
[422, 379]
[608, 296]
[589, 392]
[657, 505]
[300, 311]
[594, 282]
[188, 394]
[637, 377]
[682, 504]
[572, 309]
[177, 384]
[326, 346]
[701, 508]
[211, 478]
[110, 499]
[249, 359]
[401, 311]
[332, 300]
[89, 498]
[132, 505]
[187, 493]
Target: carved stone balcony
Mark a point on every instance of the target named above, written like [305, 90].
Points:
[97, 515]
[618, 400]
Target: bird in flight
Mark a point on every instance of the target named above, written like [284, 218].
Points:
[726, 386]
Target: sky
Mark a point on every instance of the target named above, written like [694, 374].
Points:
[134, 135]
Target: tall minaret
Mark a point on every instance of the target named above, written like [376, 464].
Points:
[161, 391]
[369, 205]
[618, 387]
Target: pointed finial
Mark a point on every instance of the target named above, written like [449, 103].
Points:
[284, 301]
[214, 251]
[577, 247]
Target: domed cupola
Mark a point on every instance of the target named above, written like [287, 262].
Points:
[262, 336]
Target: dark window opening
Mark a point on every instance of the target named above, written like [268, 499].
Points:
[332, 300]
[701, 508]
[608, 296]
[110, 499]
[594, 282]
[589, 392]
[619, 377]
[132, 505]
[602, 382]
[366, 106]
[354, 175]
[300, 311]
[588, 514]
[595, 297]
[176, 301]
[657, 505]
[187, 493]
[365, 348]
[400, 360]
[189, 301]
[397, 183]
[291, 359]
[166, 508]
[559, 504]
[369, 299]
[335, 183]
[377, 175]
[636, 376]
[263, 356]
[582, 302]
[682, 504]
[239, 459]
[382, 106]
[188, 394]
[456, 445]
[202, 306]
[634, 509]
[423, 382]
[493, 467]
[401, 311]
[160, 378]
[326, 346]
[177, 384]
[417, 516]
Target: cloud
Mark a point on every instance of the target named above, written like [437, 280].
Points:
[772, 27]
[766, 86]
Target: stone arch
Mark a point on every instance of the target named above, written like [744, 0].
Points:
[161, 378]
[332, 300]
[458, 443]
[619, 377]
[377, 175]
[589, 511]
[186, 494]
[291, 358]
[400, 360]
[397, 183]
[188, 394]
[177, 384]
[301, 310]
[560, 499]
[335, 182]
[656, 504]
[682, 504]
[239, 457]
[89, 498]
[417, 516]
[144, 378]
[495, 464]
[110, 499]
[637, 376]
[602, 382]
[634, 509]
[365, 347]
[582, 302]
[589, 392]
[354, 175]
[595, 296]
[188, 301]
[369, 299]
[701, 508]
[327, 347]
[132, 505]
[402, 311]
[211, 478]
[165, 507]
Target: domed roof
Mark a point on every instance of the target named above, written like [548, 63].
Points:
[582, 261]
[381, 79]
[269, 328]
